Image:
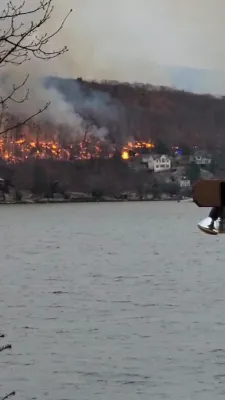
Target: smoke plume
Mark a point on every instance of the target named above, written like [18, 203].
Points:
[146, 40]
[125, 40]
[79, 111]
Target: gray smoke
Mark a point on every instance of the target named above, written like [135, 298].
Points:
[91, 104]
[77, 110]
[124, 40]
[143, 40]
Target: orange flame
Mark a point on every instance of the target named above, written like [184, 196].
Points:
[33, 145]
[133, 147]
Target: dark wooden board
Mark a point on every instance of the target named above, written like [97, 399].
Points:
[209, 193]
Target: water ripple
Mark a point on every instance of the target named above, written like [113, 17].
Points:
[104, 301]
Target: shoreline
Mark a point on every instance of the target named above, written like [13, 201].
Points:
[90, 200]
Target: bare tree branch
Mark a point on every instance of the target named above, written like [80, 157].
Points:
[8, 395]
[14, 90]
[7, 346]
[20, 41]
[17, 10]
[24, 121]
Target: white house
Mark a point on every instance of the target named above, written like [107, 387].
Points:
[184, 182]
[201, 158]
[157, 163]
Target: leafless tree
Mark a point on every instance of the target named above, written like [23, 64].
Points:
[19, 42]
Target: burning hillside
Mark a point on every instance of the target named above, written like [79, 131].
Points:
[133, 149]
[93, 119]
[18, 150]
[33, 142]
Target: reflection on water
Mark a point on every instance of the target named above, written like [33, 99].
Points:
[111, 301]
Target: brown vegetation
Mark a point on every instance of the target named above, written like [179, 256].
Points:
[111, 176]
[176, 117]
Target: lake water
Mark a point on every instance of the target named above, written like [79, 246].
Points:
[111, 301]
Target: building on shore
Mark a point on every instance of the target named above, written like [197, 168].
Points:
[201, 157]
[184, 182]
[157, 163]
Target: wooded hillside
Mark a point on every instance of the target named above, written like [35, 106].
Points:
[176, 117]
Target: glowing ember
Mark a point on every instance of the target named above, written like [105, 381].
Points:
[51, 143]
[133, 148]
[125, 155]
[14, 151]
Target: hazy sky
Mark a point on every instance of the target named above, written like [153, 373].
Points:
[167, 42]
[156, 41]
[162, 42]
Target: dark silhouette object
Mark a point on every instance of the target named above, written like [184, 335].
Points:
[7, 346]
[186, 150]
[40, 181]
[213, 167]
[156, 191]
[193, 172]
[18, 196]
[2, 348]
[66, 196]
[161, 147]
[7, 185]
[124, 196]
[55, 187]
[171, 188]
[2, 189]
[97, 194]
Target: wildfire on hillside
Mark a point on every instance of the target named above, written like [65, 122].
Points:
[14, 151]
[133, 149]
[28, 144]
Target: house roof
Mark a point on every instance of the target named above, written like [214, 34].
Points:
[202, 153]
[156, 156]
